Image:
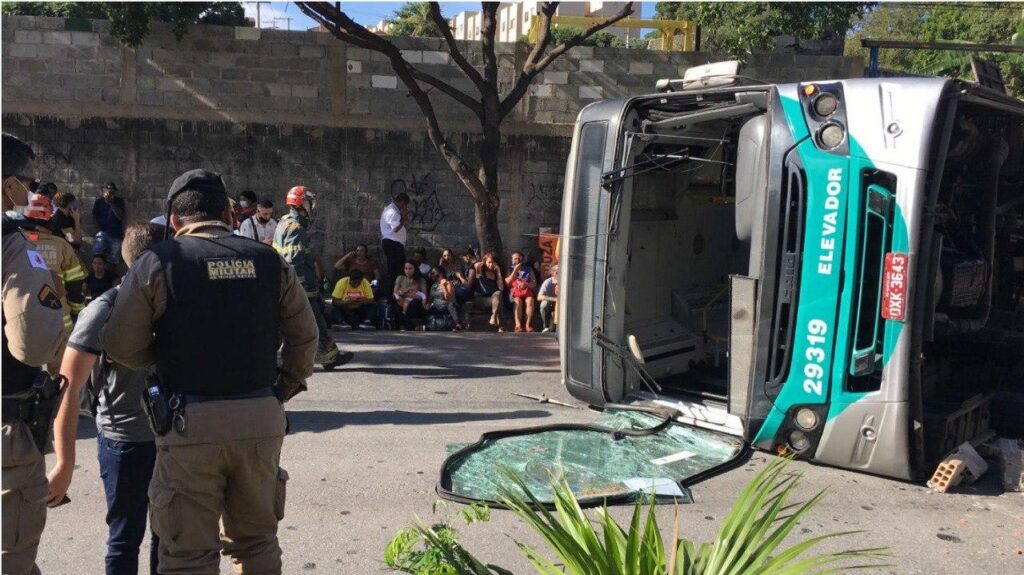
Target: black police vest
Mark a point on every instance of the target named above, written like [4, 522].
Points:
[219, 335]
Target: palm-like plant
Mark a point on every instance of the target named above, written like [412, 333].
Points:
[750, 541]
[413, 19]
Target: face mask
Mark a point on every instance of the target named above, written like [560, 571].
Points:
[19, 212]
[243, 203]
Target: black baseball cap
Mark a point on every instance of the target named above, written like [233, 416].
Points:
[17, 157]
[203, 181]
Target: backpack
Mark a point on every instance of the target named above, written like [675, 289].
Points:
[387, 319]
[439, 320]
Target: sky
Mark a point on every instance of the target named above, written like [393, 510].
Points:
[276, 14]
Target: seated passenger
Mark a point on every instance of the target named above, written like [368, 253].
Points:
[490, 284]
[444, 308]
[99, 280]
[548, 298]
[419, 257]
[522, 281]
[410, 294]
[359, 259]
[352, 299]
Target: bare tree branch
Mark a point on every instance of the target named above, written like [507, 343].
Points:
[331, 27]
[547, 10]
[458, 95]
[347, 30]
[534, 66]
[488, 28]
[453, 48]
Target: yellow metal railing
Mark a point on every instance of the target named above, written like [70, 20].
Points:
[676, 35]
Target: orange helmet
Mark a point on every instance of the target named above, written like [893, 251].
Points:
[301, 197]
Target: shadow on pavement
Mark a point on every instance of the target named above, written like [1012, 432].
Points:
[445, 371]
[320, 421]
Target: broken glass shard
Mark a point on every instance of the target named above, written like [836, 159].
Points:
[599, 461]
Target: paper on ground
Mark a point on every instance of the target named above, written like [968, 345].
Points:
[660, 485]
[673, 458]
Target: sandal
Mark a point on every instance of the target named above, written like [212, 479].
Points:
[529, 329]
[519, 329]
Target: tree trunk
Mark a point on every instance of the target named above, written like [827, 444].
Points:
[489, 202]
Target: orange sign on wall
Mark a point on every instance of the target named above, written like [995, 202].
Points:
[548, 244]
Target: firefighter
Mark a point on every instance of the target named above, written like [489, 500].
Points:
[60, 256]
[291, 240]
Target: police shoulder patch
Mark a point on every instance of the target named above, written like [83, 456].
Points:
[231, 268]
[48, 297]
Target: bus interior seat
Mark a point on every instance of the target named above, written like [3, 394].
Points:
[752, 188]
[667, 346]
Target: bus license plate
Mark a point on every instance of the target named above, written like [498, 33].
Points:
[894, 287]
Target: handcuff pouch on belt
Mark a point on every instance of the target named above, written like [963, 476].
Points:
[162, 407]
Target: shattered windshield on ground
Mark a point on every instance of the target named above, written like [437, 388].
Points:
[598, 463]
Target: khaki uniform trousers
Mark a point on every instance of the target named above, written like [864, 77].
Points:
[218, 488]
[24, 500]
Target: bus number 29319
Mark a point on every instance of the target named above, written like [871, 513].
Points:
[815, 356]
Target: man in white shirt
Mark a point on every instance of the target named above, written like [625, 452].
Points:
[393, 231]
[261, 225]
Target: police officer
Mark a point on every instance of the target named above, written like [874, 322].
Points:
[186, 307]
[32, 327]
[291, 240]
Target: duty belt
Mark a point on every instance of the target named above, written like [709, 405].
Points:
[261, 392]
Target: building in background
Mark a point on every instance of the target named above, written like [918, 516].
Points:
[381, 27]
[514, 19]
[466, 25]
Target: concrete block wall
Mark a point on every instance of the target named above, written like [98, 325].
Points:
[244, 74]
[271, 109]
[355, 171]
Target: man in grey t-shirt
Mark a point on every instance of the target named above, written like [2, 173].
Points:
[126, 448]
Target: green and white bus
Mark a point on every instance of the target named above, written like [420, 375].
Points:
[833, 269]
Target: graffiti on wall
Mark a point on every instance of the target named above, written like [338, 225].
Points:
[426, 211]
[544, 197]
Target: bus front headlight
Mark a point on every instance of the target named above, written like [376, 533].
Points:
[806, 419]
[831, 135]
[825, 105]
[798, 441]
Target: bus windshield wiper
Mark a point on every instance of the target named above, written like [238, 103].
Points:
[613, 176]
[622, 353]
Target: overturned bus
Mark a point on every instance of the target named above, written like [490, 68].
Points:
[833, 269]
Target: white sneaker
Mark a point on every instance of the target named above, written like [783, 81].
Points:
[546, 330]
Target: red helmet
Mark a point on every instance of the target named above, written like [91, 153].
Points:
[39, 207]
[300, 196]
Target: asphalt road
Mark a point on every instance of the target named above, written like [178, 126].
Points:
[367, 442]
